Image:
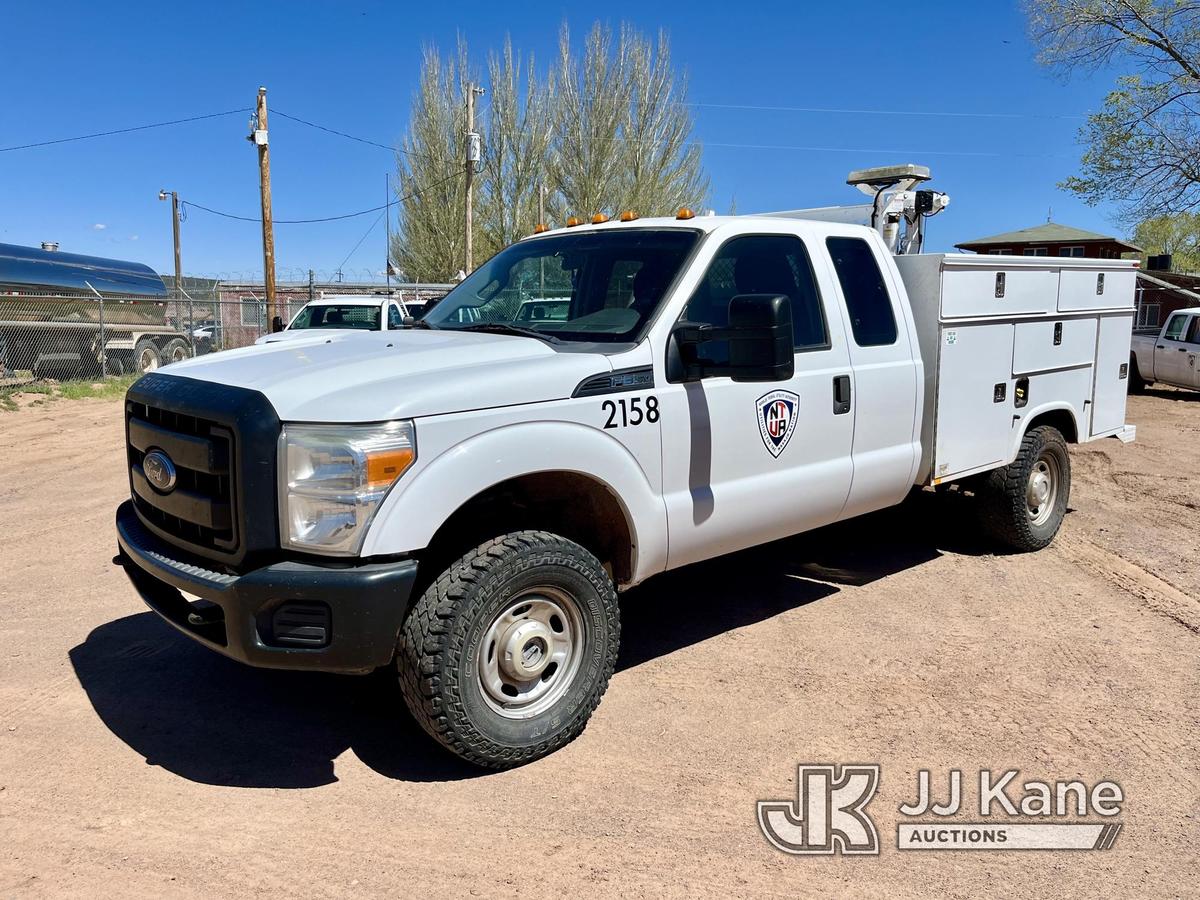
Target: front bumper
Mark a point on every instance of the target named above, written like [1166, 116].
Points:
[359, 608]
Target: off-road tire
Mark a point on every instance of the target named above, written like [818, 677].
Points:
[1004, 500]
[437, 654]
[1137, 384]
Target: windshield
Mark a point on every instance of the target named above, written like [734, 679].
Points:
[365, 318]
[594, 286]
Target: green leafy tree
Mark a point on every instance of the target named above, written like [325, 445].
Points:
[1143, 147]
[1178, 235]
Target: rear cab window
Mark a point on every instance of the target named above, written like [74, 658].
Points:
[868, 301]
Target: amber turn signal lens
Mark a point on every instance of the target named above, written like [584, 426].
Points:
[685, 213]
[628, 216]
[540, 227]
[385, 466]
[572, 222]
[599, 219]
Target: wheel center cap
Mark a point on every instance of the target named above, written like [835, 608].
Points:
[525, 650]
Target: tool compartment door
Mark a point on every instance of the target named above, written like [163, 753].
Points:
[986, 291]
[1053, 344]
[1081, 289]
[1112, 375]
[974, 427]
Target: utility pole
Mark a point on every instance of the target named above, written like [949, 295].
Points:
[259, 136]
[387, 213]
[162, 195]
[472, 158]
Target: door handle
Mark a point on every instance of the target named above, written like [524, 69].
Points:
[1162, 346]
[841, 394]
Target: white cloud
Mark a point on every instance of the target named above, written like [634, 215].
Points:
[99, 226]
[133, 237]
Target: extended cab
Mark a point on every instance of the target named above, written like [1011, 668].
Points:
[463, 499]
[1168, 356]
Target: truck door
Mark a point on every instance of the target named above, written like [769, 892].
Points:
[1171, 352]
[886, 431]
[1191, 344]
[743, 462]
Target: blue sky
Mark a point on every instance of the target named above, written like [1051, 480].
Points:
[997, 130]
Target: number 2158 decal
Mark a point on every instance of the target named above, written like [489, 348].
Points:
[624, 413]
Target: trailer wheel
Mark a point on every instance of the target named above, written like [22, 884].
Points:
[1024, 502]
[175, 351]
[146, 356]
[505, 656]
[1137, 384]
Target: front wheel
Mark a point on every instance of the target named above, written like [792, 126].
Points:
[506, 655]
[1024, 502]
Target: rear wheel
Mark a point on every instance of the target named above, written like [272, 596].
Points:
[1137, 384]
[146, 356]
[175, 351]
[1024, 502]
[504, 658]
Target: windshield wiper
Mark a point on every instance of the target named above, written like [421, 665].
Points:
[516, 330]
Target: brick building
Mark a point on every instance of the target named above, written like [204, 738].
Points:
[1052, 239]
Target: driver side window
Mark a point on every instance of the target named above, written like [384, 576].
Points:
[395, 320]
[760, 264]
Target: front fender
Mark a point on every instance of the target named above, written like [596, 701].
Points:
[422, 501]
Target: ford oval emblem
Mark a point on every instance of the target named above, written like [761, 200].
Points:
[159, 471]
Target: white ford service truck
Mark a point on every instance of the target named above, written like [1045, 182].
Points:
[464, 498]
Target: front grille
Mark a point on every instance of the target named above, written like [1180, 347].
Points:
[201, 507]
[223, 442]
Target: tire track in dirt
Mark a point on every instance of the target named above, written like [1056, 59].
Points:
[1154, 593]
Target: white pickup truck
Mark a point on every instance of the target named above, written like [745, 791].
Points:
[1168, 357]
[464, 498]
[357, 312]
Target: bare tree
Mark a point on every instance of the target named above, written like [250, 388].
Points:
[517, 140]
[429, 241]
[605, 131]
[1143, 147]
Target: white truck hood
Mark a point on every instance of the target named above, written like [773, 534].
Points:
[375, 376]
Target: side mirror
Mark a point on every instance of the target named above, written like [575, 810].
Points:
[276, 324]
[759, 336]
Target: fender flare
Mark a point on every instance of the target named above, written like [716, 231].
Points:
[1052, 406]
[421, 502]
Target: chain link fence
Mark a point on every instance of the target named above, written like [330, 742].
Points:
[63, 337]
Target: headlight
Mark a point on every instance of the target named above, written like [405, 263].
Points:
[335, 478]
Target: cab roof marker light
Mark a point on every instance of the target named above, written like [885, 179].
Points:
[599, 219]
[540, 227]
[628, 216]
[573, 221]
[685, 213]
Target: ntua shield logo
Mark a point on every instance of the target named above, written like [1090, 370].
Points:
[777, 413]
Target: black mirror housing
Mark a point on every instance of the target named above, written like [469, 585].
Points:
[277, 324]
[761, 345]
[760, 340]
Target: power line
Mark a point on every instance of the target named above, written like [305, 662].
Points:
[353, 215]
[367, 234]
[98, 134]
[338, 133]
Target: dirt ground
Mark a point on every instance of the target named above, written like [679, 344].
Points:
[135, 763]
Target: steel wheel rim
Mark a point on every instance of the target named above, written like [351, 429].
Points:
[148, 361]
[1041, 491]
[179, 354]
[529, 655]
